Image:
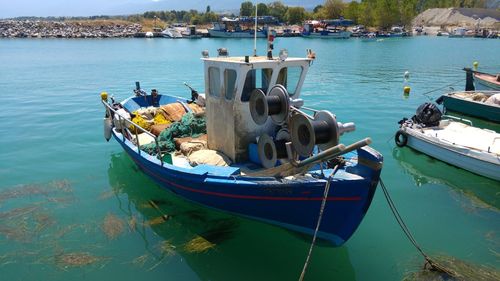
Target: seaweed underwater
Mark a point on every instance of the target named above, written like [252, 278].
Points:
[32, 230]
[458, 270]
[112, 226]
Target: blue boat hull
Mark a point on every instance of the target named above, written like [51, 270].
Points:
[292, 204]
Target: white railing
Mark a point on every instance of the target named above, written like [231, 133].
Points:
[109, 109]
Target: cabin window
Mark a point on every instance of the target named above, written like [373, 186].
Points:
[289, 77]
[256, 78]
[229, 83]
[214, 81]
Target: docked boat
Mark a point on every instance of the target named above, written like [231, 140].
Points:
[459, 32]
[451, 140]
[481, 81]
[190, 32]
[250, 148]
[482, 104]
[442, 33]
[232, 28]
[371, 36]
[325, 31]
[172, 33]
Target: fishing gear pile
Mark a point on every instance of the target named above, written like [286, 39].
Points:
[189, 126]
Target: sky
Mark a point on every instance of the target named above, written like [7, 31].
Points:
[44, 8]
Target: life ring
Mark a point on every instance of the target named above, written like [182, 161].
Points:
[401, 139]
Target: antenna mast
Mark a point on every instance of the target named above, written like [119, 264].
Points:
[255, 34]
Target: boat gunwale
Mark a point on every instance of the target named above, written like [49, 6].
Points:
[203, 174]
[456, 148]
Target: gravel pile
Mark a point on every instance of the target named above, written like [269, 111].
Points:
[447, 17]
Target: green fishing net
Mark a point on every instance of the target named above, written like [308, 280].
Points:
[188, 126]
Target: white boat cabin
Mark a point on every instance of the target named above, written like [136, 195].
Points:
[229, 82]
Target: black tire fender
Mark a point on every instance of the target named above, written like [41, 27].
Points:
[401, 139]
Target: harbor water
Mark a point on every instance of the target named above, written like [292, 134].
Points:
[74, 207]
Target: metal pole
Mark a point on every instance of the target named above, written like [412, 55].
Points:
[255, 35]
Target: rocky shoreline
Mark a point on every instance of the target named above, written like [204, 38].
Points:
[55, 29]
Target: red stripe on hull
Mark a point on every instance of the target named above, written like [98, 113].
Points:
[250, 197]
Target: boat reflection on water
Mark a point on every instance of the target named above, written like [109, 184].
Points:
[427, 170]
[216, 245]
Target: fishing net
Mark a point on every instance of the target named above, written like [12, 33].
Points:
[142, 122]
[456, 270]
[146, 118]
[188, 126]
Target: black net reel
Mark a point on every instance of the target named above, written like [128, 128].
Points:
[276, 105]
[323, 131]
[271, 150]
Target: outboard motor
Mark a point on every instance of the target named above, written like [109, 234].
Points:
[427, 115]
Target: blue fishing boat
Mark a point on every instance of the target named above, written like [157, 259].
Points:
[265, 156]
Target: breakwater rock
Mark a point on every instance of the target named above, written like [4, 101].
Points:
[55, 29]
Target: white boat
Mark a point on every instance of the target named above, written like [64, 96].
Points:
[454, 142]
[171, 32]
[458, 33]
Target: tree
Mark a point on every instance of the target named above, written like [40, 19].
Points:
[246, 9]
[352, 11]
[365, 16]
[386, 13]
[332, 9]
[209, 17]
[262, 9]
[277, 9]
[295, 15]
[317, 8]
[408, 11]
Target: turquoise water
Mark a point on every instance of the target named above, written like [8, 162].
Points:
[64, 190]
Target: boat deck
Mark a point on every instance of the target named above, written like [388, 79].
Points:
[464, 135]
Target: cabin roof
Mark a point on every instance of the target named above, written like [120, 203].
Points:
[251, 59]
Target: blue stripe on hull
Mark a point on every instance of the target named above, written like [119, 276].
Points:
[293, 205]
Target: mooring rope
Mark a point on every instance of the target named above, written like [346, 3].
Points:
[428, 261]
[440, 88]
[318, 223]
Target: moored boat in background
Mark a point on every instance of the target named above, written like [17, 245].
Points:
[482, 104]
[476, 80]
[327, 29]
[232, 28]
[171, 32]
